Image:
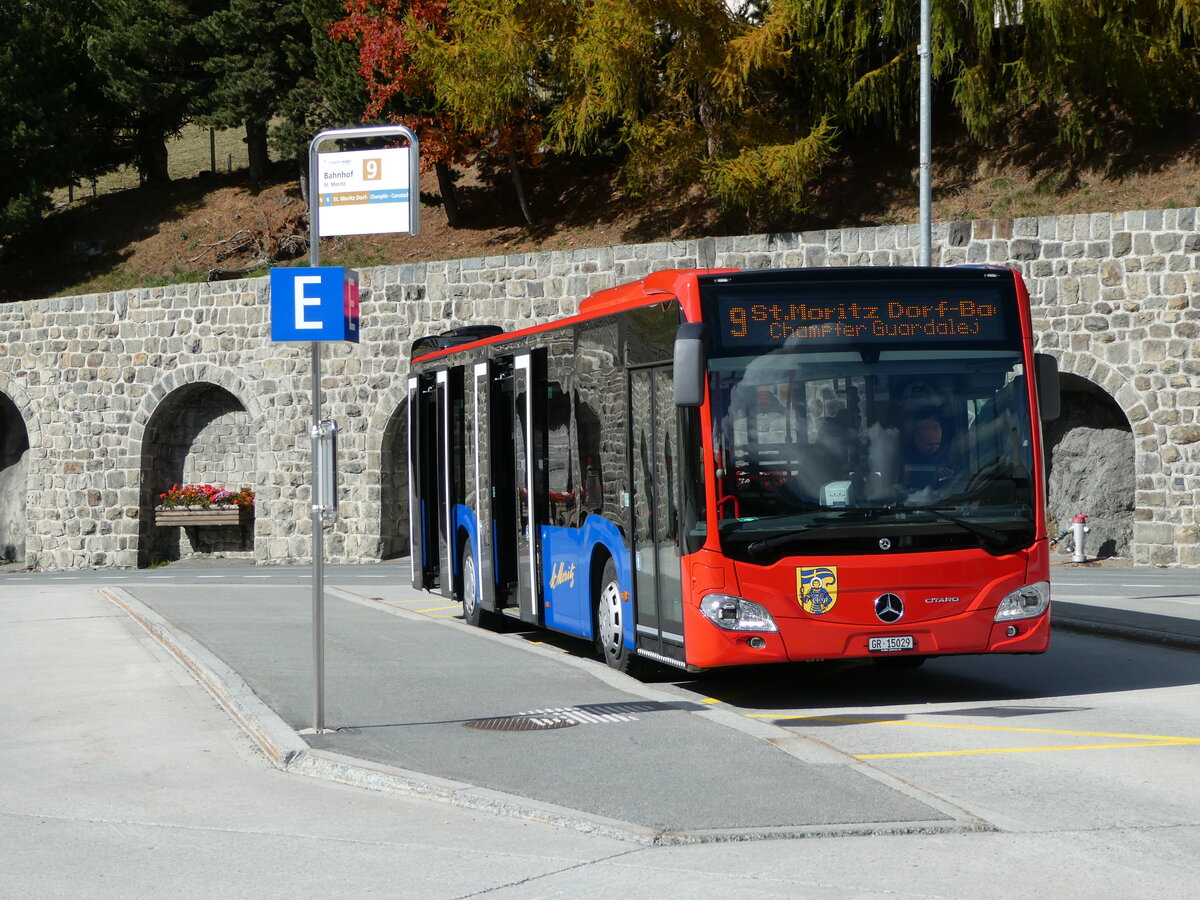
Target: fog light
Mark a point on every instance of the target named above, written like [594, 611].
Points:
[1012, 631]
[757, 643]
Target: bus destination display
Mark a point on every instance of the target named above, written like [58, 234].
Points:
[758, 319]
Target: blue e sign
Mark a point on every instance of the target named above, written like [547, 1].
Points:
[314, 304]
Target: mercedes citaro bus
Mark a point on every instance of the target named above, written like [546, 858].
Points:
[712, 468]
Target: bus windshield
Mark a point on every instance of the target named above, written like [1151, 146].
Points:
[926, 449]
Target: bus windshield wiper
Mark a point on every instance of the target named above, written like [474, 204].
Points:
[766, 545]
[992, 540]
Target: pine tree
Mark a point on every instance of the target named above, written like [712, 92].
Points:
[50, 128]
[260, 52]
[147, 62]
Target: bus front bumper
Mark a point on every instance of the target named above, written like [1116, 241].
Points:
[803, 640]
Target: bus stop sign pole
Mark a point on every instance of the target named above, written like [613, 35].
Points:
[372, 191]
[925, 51]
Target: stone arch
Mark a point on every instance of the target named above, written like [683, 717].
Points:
[194, 429]
[14, 481]
[389, 445]
[181, 377]
[1091, 459]
[19, 433]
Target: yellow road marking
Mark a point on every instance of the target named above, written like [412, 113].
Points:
[1027, 749]
[734, 695]
[1129, 740]
[437, 608]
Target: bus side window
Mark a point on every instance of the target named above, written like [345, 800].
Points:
[600, 422]
[560, 464]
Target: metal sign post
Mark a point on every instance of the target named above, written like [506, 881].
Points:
[372, 191]
[925, 51]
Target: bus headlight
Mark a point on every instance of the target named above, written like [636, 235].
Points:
[736, 613]
[1024, 603]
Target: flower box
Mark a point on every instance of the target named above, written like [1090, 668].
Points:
[204, 504]
[202, 515]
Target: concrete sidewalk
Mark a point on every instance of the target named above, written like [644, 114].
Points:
[435, 708]
[1139, 603]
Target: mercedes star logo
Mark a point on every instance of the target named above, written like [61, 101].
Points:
[889, 608]
[885, 544]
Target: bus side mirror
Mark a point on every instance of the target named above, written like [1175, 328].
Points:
[1049, 396]
[690, 364]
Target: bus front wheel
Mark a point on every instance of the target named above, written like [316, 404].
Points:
[610, 623]
[473, 612]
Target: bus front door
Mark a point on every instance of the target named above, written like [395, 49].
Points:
[654, 439]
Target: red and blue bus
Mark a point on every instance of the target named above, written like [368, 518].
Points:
[712, 468]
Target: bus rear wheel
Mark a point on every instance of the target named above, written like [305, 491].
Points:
[473, 612]
[610, 623]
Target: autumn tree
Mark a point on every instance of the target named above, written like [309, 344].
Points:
[483, 67]
[662, 83]
[642, 76]
[398, 90]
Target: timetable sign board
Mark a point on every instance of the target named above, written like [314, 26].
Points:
[365, 192]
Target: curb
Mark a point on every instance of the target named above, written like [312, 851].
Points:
[1125, 633]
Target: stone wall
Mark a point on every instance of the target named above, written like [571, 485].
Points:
[100, 382]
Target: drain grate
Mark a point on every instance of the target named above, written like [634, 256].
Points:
[566, 716]
[521, 723]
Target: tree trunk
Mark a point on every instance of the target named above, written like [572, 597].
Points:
[152, 159]
[302, 165]
[708, 113]
[256, 149]
[519, 184]
[445, 179]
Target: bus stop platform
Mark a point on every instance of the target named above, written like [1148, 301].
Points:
[415, 701]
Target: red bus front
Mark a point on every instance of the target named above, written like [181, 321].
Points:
[873, 469]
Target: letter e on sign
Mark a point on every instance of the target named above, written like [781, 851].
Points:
[305, 303]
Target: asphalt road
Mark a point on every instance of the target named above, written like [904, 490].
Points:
[123, 779]
[1170, 591]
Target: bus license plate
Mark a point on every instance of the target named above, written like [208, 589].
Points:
[890, 644]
